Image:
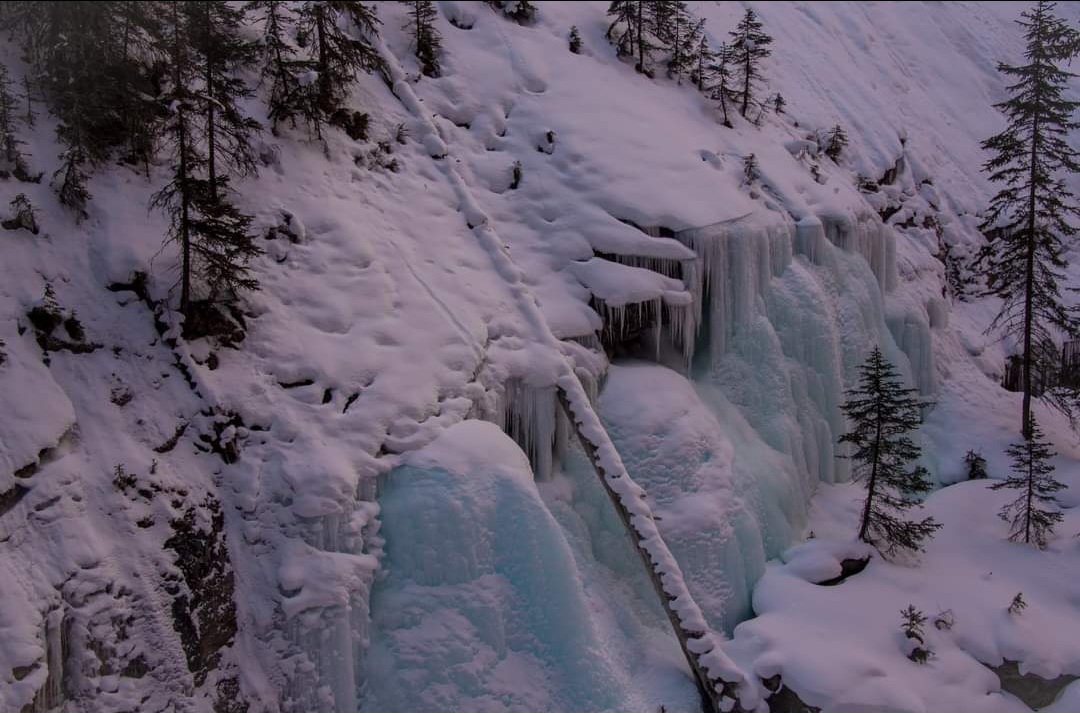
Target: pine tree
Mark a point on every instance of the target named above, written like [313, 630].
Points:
[704, 59]
[279, 65]
[634, 25]
[575, 40]
[1018, 605]
[722, 74]
[684, 37]
[1032, 475]
[882, 413]
[9, 142]
[779, 103]
[426, 36]
[521, 11]
[912, 621]
[976, 465]
[750, 45]
[213, 236]
[1028, 225]
[836, 141]
[337, 56]
[214, 34]
[132, 74]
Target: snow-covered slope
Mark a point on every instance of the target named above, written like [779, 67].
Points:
[314, 520]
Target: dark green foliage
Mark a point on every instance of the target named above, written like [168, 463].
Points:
[1029, 517]
[281, 68]
[204, 129]
[1018, 605]
[517, 173]
[335, 55]
[836, 141]
[681, 35]
[575, 40]
[427, 42]
[721, 72]
[520, 11]
[633, 32]
[912, 621]
[1029, 224]
[779, 103]
[882, 413]
[750, 45]
[704, 58]
[976, 465]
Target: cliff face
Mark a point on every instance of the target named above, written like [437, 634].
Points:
[195, 525]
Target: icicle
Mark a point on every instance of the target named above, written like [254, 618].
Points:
[528, 416]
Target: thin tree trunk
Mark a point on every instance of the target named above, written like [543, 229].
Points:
[1029, 284]
[182, 170]
[324, 75]
[746, 84]
[641, 36]
[1030, 494]
[211, 140]
[873, 479]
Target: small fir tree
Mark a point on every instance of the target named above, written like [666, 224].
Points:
[779, 103]
[1029, 223]
[1018, 605]
[24, 216]
[750, 45]
[882, 413]
[427, 42]
[682, 36]
[1029, 518]
[521, 11]
[912, 622]
[836, 141]
[976, 465]
[750, 168]
[575, 40]
[281, 68]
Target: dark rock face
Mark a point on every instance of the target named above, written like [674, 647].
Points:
[205, 614]
[1035, 691]
[784, 700]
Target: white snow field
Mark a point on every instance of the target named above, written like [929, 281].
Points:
[374, 502]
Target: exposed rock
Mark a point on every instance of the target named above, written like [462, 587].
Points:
[848, 568]
[1035, 691]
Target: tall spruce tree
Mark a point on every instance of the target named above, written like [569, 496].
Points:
[214, 34]
[1029, 221]
[683, 39]
[633, 32]
[749, 45]
[1032, 475]
[290, 96]
[882, 413]
[337, 54]
[721, 71]
[213, 236]
[704, 58]
[427, 42]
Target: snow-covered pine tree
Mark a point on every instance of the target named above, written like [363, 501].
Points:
[749, 45]
[521, 11]
[750, 168]
[132, 71]
[575, 40]
[836, 141]
[632, 31]
[1032, 475]
[427, 42]
[1029, 223]
[882, 413]
[721, 72]
[336, 56]
[779, 103]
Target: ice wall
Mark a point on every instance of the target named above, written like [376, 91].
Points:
[481, 606]
[786, 312]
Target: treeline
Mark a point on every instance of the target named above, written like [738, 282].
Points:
[165, 82]
[665, 32]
